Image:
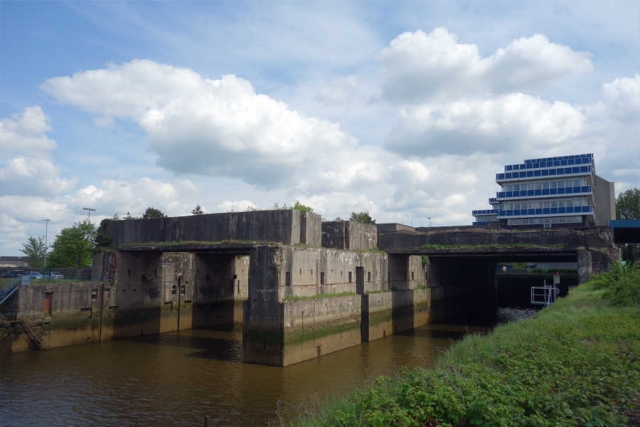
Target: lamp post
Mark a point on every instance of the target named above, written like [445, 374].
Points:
[46, 234]
[90, 210]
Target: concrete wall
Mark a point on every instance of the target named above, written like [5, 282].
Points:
[406, 272]
[591, 262]
[295, 309]
[349, 235]
[68, 313]
[221, 286]
[605, 201]
[284, 226]
[305, 272]
[387, 313]
[316, 327]
[593, 238]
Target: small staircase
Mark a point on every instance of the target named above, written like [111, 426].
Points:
[33, 330]
[35, 333]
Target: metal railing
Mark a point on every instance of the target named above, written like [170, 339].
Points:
[544, 295]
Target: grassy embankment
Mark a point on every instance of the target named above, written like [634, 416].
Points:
[576, 364]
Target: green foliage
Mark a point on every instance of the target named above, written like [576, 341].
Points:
[628, 204]
[575, 364]
[362, 217]
[621, 284]
[102, 238]
[318, 296]
[628, 207]
[300, 207]
[73, 246]
[297, 206]
[153, 213]
[197, 210]
[35, 250]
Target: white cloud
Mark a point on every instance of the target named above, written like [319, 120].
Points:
[36, 177]
[509, 123]
[212, 127]
[420, 66]
[25, 134]
[622, 98]
[339, 91]
[119, 197]
[25, 152]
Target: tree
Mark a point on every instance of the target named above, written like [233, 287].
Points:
[362, 217]
[628, 207]
[153, 213]
[35, 250]
[300, 207]
[628, 204]
[73, 246]
[197, 210]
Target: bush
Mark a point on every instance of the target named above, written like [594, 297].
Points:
[621, 284]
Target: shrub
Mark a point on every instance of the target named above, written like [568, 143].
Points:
[621, 284]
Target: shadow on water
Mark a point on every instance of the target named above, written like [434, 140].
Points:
[220, 343]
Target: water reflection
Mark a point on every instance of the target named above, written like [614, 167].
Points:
[177, 379]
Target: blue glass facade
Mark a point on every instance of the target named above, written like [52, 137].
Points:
[545, 191]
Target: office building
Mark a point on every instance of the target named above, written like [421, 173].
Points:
[550, 192]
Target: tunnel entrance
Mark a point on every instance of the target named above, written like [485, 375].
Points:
[468, 288]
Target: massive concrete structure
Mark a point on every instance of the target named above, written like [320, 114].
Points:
[300, 287]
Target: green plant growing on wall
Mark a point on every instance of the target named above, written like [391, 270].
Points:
[297, 206]
[153, 213]
[197, 210]
[362, 217]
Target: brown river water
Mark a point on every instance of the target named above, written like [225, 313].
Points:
[175, 380]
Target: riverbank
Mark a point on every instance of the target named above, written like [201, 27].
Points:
[576, 364]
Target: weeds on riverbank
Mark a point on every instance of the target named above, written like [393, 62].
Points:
[576, 364]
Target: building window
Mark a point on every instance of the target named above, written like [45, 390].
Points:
[349, 277]
[322, 278]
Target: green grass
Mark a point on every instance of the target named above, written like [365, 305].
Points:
[576, 364]
[488, 246]
[195, 242]
[318, 296]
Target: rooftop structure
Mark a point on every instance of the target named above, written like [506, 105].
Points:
[550, 192]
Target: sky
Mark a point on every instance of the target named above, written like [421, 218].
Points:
[405, 109]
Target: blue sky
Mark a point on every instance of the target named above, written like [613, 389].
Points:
[405, 109]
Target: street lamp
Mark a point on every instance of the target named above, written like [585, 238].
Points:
[46, 234]
[90, 210]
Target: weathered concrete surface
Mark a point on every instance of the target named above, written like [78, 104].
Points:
[285, 226]
[69, 314]
[320, 326]
[588, 238]
[305, 302]
[387, 313]
[349, 235]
